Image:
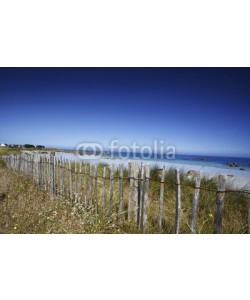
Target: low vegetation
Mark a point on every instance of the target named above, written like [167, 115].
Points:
[25, 208]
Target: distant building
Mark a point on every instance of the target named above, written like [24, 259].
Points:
[4, 145]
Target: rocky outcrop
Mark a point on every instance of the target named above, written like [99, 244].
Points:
[232, 164]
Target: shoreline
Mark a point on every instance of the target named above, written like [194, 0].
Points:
[239, 178]
[235, 177]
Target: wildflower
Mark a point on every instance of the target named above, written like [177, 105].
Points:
[210, 215]
[15, 227]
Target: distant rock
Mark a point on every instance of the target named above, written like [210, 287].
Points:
[232, 164]
[242, 169]
[199, 158]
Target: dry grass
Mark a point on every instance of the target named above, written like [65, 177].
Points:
[28, 209]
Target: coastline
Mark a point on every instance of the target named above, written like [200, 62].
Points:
[239, 178]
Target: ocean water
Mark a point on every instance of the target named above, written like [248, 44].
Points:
[243, 164]
[210, 166]
[212, 161]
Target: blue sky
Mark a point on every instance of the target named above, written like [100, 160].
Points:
[197, 110]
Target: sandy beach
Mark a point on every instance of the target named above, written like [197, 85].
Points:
[238, 178]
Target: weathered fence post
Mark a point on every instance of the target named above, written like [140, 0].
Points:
[85, 186]
[52, 174]
[161, 201]
[79, 186]
[70, 181]
[25, 159]
[80, 182]
[56, 177]
[48, 175]
[62, 177]
[111, 189]
[141, 197]
[95, 191]
[41, 172]
[76, 181]
[131, 183]
[45, 173]
[35, 159]
[219, 204]
[178, 202]
[133, 195]
[31, 163]
[19, 163]
[120, 209]
[104, 189]
[195, 201]
[145, 198]
[90, 184]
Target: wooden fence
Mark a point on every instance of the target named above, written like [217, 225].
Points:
[93, 186]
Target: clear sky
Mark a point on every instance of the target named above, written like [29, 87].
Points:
[197, 110]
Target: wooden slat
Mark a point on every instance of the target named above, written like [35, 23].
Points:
[120, 209]
[133, 199]
[90, 184]
[85, 185]
[178, 202]
[95, 191]
[52, 174]
[131, 183]
[40, 172]
[111, 189]
[161, 200]
[145, 200]
[70, 181]
[56, 175]
[195, 201]
[45, 173]
[62, 177]
[219, 204]
[79, 187]
[141, 197]
[104, 189]
[76, 181]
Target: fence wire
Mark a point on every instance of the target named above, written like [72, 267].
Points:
[139, 179]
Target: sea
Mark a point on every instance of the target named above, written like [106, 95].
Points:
[209, 166]
[239, 163]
